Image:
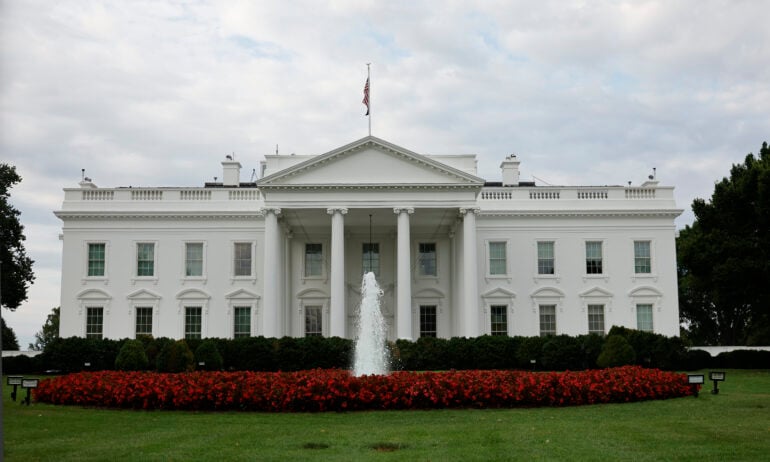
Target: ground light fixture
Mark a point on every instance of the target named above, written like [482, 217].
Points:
[14, 380]
[695, 380]
[29, 384]
[716, 377]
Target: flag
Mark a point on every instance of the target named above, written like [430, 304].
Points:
[366, 96]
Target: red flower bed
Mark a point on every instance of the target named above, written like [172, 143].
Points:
[337, 390]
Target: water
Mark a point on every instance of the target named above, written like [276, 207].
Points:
[371, 354]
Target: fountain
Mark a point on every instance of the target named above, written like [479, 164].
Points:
[371, 353]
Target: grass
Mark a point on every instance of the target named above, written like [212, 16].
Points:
[733, 425]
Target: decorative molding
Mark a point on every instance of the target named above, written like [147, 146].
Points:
[408, 210]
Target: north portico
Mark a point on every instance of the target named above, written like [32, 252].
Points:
[455, 255]
[412, 202]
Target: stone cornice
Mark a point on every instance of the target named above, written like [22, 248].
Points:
[117, 215]
[368, 186]
[663, 213]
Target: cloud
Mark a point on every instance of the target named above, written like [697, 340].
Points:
[152, 93]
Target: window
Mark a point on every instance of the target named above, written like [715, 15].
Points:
[193, 259]
[499, 320]
[145, 259]
[594, 257]
[427, 320]
[193, 321]
[644, 317]
[242, 259]
[371, 258]
[427, 259]
[497, 258]
[547, 320]
[96, 258]
[596, 319]
[143, 320]
[313, 260]
[313, 321]
[642, 257]
[241, 321]
[545, 257]
[94, 322]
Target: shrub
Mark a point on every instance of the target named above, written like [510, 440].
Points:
[562, 352]
[591, 347]
[153, 346]
[531, 348]
[743, 359]
[694, 360]
[72, 353]
[175, 357]
[21, 364]
[208, 354]
[132, 357]
[250, 354]
[616, 352]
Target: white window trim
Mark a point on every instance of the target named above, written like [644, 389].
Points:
[361, 260]
[135, 257]
[324, 261]
[652, 275]
[646, 295]
[192, 298]
[144, 299]
[605, 274]
[498, 296]
[548, 277]
[243, 298]
[489, 276]
[251, 278]
[323, 302]
[86, 278]
[94, 298]
[203, 278]
[605, 309]
[416, 272]
[547, 296]
[429, 297]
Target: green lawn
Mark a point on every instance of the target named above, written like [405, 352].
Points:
[734, 425]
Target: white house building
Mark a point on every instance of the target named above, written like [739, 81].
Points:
[285, 255]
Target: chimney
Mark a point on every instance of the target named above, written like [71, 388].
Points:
[231, 173]
[510, 167]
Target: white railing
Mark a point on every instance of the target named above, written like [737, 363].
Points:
[98, 195]
[146, 195]
[496, 195]
[592, 194]
[640, 193]
[544, 194]
[195, 195]
[244, 195]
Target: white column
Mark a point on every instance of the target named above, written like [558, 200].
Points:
[470, 305]
[403, 276]
[271, 275]
[337, 279]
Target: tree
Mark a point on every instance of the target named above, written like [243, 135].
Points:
[724, 259]
[9, 338]
[48, 333]
[15, 267]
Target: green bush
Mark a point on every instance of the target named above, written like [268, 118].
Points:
[591, 347]
[531, 348]
[250, 354]
[616, 352]
[561, 352]
[132, 357]
[175, 357]
[21, 364]
[72, 353]
[743, 359]
[207, 357]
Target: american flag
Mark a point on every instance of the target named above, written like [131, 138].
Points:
[366, 96]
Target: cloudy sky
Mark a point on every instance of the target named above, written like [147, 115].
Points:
[155, 93]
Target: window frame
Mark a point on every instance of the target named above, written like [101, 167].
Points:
[365, 260]
[553, 273]
[252, 255]
[87, 274]
[94, 335]
[136, 309]
[321, 260]
[235, 319]
[543, 332]
[155, 253]
[505, 260]
[492, 330]
[651, 307]
[204, 251]
[603, 309]
[186, 316]
[423, 316]
[587, 260]
[419, 260]
[319, 332]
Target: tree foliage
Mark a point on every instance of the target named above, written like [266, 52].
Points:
[15, 266]
[724, 259]
[48, 333]
[9, 338]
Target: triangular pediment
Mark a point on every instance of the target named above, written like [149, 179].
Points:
[143, 294]
[499, 293]
[596, 292]
[370, 162]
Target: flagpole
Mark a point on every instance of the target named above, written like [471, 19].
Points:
[368, 79]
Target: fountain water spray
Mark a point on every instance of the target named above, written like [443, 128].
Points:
[371, 353]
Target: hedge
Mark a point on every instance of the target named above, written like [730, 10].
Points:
[486, 352]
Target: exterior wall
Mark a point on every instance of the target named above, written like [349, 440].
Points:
[517, 215]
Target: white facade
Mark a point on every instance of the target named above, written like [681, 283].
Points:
[285, 256]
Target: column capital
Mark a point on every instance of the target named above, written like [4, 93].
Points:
[466, 210]
[275, 210]
[342, 210]
[409, 210]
